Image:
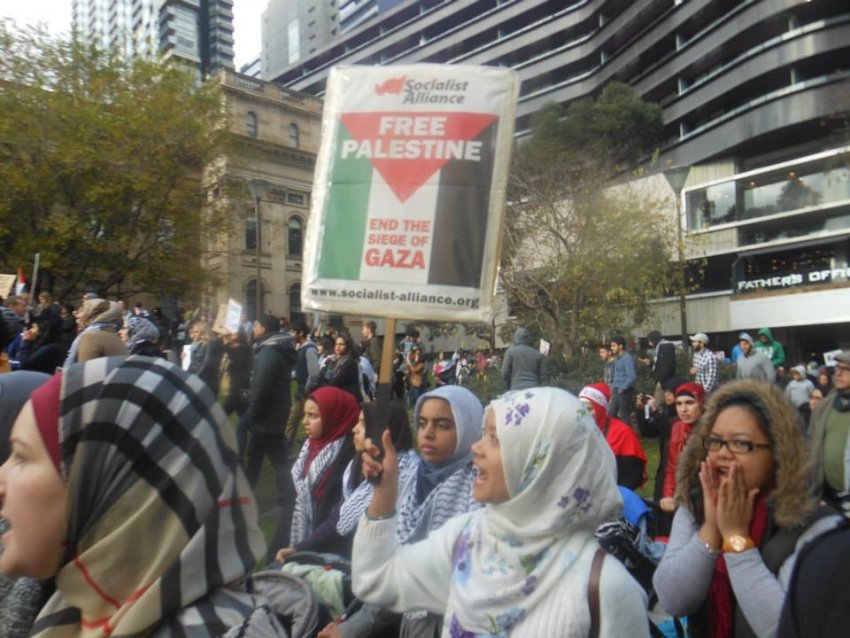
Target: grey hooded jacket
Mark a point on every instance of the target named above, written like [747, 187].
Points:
[523, 365]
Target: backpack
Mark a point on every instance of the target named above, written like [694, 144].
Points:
[291, 598]
[628, 542]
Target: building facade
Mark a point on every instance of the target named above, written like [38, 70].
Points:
[295, 29]
[196, 32]
[275, 140]
[755, 100]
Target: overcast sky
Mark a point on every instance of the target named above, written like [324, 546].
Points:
[57, 15]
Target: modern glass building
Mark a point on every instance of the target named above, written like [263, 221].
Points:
[198, 32]
[756, 99]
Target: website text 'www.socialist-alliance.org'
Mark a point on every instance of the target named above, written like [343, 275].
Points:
[377, 294]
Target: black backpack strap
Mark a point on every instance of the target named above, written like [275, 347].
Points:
[593, 591]
[783, 544]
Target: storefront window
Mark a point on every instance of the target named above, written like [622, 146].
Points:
[768, 193]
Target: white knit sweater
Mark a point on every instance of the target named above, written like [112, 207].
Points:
[418, 576]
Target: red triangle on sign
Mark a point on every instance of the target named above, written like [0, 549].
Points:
[378, 133]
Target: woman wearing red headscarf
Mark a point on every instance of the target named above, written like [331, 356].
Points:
[330, 415]
[689, 399]
[631, 458]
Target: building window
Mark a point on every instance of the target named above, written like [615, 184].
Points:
[294, 237]
[251, 124]
[296, 198]
[295, 302]
[294, 135]
[251, 298]
[250, 234]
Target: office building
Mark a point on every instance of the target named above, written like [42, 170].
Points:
[195, 32]
[755, 98]
[353, 13]
[295, 29]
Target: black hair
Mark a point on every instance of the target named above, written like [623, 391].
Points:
[754, 405]
[349, 344]
[379, 416]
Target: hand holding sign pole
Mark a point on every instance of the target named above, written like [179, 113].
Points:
[408, 200]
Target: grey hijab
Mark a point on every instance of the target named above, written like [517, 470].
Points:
[20, 598]
[15, 388]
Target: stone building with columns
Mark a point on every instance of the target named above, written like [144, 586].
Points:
[275, 137]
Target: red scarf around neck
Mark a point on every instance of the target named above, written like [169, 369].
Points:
[721, 598]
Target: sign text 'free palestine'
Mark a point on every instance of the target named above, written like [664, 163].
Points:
[408, 199]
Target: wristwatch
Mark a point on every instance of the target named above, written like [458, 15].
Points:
[737, 543]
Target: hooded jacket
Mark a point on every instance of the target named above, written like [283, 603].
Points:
[664, 359]
[774, 350]
[523, 365]
[825, 408]
[270, 396]
[755, 365]
[682, 578]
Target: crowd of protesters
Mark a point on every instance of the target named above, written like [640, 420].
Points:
[131, 443]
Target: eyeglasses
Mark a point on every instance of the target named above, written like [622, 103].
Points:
[840, 368]
[735, 446]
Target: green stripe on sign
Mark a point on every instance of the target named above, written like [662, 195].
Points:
[345, 216]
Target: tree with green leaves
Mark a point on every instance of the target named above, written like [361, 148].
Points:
[585, 254]
[101, 165]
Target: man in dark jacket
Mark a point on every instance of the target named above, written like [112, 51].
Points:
[523, 365]
[307, 373]
[371, 345]
[662, 361]
[269, 404]
[664, 358]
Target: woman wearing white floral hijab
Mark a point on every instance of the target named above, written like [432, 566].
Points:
[521, 565]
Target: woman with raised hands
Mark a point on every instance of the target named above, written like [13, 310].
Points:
[125, 486]
[521, 565]
[746, 509]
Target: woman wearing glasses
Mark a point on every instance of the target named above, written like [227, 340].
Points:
[746, 508]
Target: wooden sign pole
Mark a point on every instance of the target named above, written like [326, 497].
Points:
[385, 378]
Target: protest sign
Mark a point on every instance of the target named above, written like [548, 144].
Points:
[7, 282]
[408, 199]
[219, 325]
[829, 357]
[227, 318]
[234, 315]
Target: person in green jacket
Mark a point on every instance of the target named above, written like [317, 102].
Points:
[774, 350]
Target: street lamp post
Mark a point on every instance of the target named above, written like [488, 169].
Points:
[676, 177]
[258, 187]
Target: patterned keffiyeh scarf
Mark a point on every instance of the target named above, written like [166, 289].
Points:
[442, 490]
[339, 412]
[357, 502]
[162, 524]
[302, 516]
[451, 497]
